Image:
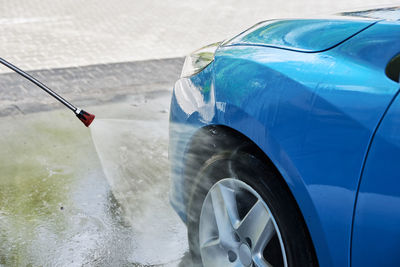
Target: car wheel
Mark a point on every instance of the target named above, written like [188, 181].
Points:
[241, 213]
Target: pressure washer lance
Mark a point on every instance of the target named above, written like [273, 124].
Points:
[84, 116]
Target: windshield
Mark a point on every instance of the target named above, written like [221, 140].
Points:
[389, 13]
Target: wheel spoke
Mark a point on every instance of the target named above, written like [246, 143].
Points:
[265, 237]
[258, 226]
[210, 243]
[228, 196]
[212, 252]
[261, 262]
[225, 211]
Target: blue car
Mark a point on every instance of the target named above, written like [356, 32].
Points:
[285, 144]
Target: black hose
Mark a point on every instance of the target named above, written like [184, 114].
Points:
[38, 83]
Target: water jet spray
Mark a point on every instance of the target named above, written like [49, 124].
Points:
[85, 117]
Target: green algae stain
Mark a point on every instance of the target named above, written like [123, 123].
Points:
[38, 167]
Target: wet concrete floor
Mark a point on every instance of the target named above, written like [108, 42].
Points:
[72, 196]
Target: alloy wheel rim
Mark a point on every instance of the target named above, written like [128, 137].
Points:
[237, 228]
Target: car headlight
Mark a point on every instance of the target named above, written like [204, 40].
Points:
[199, 59]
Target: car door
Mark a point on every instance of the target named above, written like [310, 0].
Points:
[376, 229]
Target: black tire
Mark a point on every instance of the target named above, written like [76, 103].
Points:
[267, 182]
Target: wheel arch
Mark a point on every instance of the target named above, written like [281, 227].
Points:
[211, 139]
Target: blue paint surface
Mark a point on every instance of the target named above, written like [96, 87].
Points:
[306, 35]
[377, 217]
[314, 115]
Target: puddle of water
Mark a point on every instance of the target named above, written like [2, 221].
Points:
[56, 207]
[34, 185]
[66, 202]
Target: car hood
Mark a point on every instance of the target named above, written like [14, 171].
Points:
[304, 35]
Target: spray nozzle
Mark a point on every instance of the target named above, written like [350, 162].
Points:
[85, 117]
